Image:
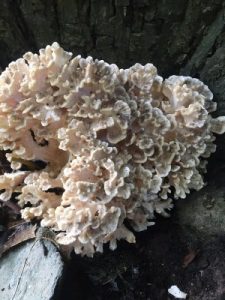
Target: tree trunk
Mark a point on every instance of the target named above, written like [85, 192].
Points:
[176, 36]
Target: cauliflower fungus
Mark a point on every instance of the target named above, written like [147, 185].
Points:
[113, 144]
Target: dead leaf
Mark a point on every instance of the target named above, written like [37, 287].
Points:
[13, 224]
[17, 235]
[190, 257]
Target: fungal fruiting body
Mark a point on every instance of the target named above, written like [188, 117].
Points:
[114, 144]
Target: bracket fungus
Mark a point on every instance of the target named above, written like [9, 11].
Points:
[114, 144]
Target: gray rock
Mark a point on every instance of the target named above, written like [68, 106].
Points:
[30, 272]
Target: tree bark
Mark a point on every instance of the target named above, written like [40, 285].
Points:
[176, 36]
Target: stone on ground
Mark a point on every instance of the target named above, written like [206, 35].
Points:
[30, 271]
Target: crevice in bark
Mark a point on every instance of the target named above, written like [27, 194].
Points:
[206, 45]
[55, 5]
[26, 32]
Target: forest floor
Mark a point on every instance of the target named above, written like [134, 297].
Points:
[162, 257]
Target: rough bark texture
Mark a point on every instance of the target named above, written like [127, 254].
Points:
[179, 37]
[182, 36]
[176, 36]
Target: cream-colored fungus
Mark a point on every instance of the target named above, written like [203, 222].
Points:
[117, 144]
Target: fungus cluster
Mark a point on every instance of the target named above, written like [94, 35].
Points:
[91, 145]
